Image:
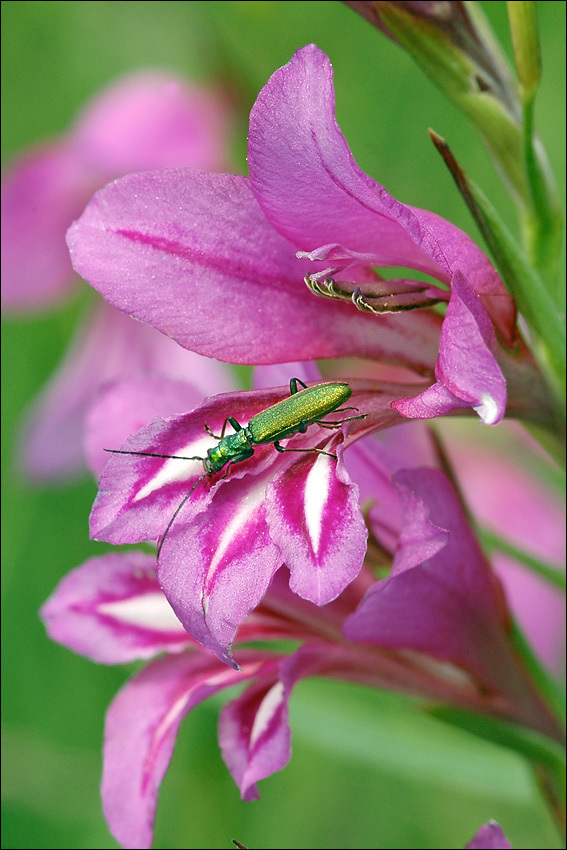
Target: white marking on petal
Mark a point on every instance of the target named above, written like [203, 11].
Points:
[488, 409]
[269, 706]
[150, 611]
[248, 506]
[175, 469]
[315, 498]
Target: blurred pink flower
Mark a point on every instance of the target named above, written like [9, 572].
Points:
[147, 120]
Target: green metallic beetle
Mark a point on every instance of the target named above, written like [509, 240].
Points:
[292, 415]
[289, 416]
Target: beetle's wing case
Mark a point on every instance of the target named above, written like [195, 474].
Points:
[306, 406]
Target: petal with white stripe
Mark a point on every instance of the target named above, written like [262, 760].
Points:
[112, 610]
[216, 569]
[314, 518]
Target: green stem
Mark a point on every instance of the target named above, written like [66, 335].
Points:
[523, 281]
[547, 687]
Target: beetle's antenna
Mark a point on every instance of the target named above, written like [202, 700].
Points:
[178, 508]
[152, 454]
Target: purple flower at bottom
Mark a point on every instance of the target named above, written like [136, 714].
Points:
[435, 629]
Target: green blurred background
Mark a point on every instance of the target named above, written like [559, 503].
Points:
[366, 771]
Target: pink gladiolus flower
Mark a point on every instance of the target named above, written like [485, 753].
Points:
[200, 249]
[435, 629]
[217, 262]
[147, 120]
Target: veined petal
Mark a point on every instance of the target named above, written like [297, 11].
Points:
[140, 732]
[215, 570]
[138, 495]
[112, 610]
[254, 736]
[446, 605]
[199, 251]
[126, 405]
[315, 520]
[467, 371]
[313, 192]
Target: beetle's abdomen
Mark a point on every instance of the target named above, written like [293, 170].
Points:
[286, 417]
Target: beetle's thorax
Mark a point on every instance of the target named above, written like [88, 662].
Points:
[234, 447]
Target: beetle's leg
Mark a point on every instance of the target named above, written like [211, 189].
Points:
[293, 385]
[235, 424]
[339, 422]
[280, 448]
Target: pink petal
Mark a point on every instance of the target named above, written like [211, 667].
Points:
[144, 121]
[467, 370]
[314, 519]
[138, 495]
[187, 282]
[253, 730]
[112, 610]
[489, 837]
[141, 727]
[447, 606]
[502, 494]
[311, 189]
[126, 405]
[215, 570]
[254, 735]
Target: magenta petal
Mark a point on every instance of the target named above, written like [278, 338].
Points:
[254, 735]
[313, 192]
[489, 837]
[41, 194]
[126, 405]
[196, 287]
[138, 495]
[112, 610]
[253, 730]
[315, 520]
[466, 363]
[446, 606]
[305, 178]
[215, 570]
[140, 732]
[467, 371]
